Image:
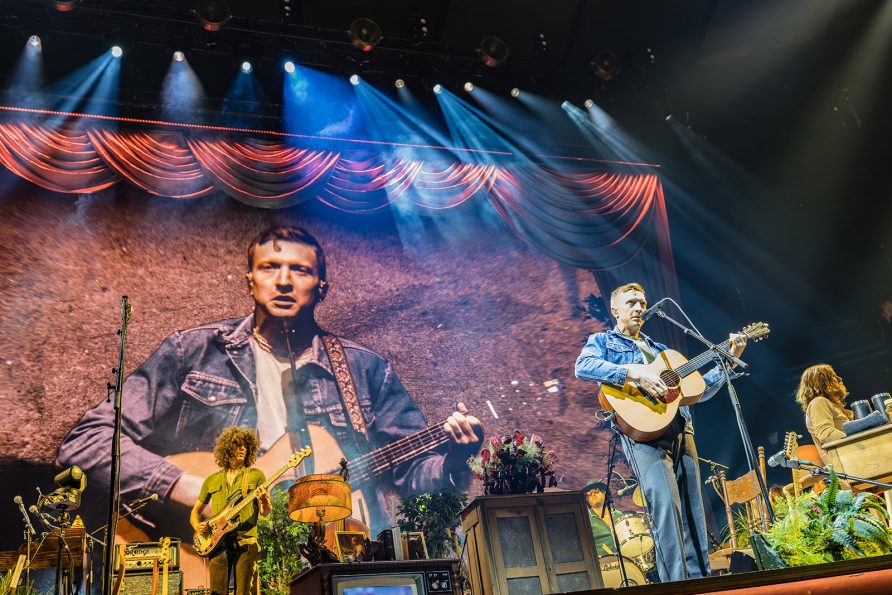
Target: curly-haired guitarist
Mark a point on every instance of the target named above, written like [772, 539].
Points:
[238, 552]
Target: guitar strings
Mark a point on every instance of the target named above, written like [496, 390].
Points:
[399, 451]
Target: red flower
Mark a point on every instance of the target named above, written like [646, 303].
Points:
[518, 438]
[484, 456]
[496, 442]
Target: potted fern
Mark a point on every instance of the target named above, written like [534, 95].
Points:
[834, 525]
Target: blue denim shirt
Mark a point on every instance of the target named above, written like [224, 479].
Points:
[203, 379]
[605, 355]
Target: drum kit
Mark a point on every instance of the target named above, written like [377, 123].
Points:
[636, 546]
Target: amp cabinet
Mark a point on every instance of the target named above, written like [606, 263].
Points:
[530, 544]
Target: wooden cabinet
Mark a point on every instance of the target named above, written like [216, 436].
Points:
[530, 544]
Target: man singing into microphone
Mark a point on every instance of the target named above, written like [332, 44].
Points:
[667, 467]
[239, 372]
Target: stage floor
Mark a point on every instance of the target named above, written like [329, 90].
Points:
[867, 576]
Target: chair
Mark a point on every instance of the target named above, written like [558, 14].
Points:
[744, 491]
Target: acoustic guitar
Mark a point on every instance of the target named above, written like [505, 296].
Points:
[645, 417]
[363, 473]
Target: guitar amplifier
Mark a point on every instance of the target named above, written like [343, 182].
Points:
[140, 583]
[142, 555]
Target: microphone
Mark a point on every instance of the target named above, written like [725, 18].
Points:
[778, 458]
[143, 500]
[44, 518]
[625, 490]
[657, 307]
[25, 517]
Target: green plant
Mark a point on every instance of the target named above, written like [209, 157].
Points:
[280, 540]
[6, 582]
[436, 516]
[835, 525]
[742, 529]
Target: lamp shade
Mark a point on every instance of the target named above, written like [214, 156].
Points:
[319, 497]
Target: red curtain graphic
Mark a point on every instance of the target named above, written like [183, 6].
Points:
[600, 220]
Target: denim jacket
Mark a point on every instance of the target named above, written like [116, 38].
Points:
[605, 355]
[203, 379]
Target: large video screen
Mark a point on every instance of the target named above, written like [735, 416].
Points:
[456, 306]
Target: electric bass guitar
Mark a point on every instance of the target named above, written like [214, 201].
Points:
[645, 417]
[216, 527]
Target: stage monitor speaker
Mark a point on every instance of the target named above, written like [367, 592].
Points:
[741, 562]
[140, 583]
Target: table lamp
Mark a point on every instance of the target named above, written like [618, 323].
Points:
[319, 499]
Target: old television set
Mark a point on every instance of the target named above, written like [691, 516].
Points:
[410, 577]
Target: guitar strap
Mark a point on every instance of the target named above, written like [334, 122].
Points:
[349, 398]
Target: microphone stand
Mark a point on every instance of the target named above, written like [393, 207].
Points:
[608, 505]
[725, 359]
[815, 469]
[114, 499]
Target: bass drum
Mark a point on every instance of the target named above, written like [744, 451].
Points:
[612, 574]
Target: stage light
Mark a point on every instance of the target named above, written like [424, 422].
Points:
[399, 83]
[438, 88]
[606, 65]
[589, 104]
[469, 86]
[34, 41]
[492, 51]
[364, 34]
[289, 67]
[543, 43]
[65, 5]
[116, 51]
[179, 56]
[515, 92]
[247, 67]
[354, 80]
[212, 14]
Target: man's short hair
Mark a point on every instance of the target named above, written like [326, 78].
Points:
[624, 288]
[288, 234]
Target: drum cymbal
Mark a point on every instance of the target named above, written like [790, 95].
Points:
[638, 497]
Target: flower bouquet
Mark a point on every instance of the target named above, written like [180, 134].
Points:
[514, 464]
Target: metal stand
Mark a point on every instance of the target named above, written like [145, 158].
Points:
[114, 499]
[608, 504]
[725, 360]
[815, 469]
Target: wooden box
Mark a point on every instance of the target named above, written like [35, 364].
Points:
[530, 544]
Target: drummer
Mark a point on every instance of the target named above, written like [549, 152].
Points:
[599, 518]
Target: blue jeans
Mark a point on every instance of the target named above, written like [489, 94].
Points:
[675, 503]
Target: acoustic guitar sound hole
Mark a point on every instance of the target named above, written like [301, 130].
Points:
[672, 380]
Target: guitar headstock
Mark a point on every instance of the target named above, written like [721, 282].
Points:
[756, 331]
[791, 445]
[299, 455]
[164, 554]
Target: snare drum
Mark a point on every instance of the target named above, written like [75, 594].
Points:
[633, 533]
[612, 574]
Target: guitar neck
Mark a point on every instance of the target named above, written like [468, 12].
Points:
[238, 507]
[370, 465]
[701, 360]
